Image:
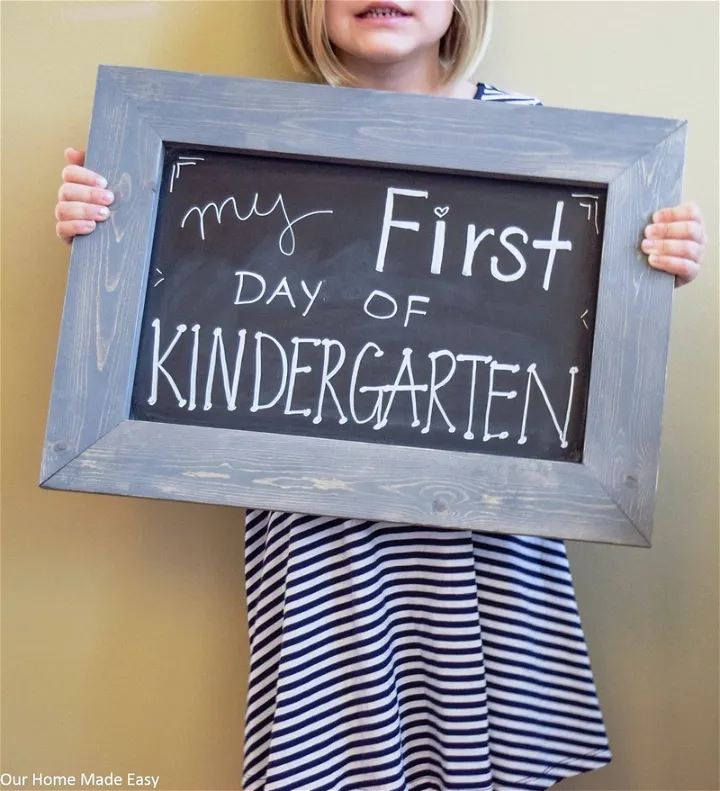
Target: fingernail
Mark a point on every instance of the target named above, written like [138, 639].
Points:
[654, 230]
[107, 196]
[647, 245]
[103, 211]
[652, 260]
[101, 182]
[89, 225]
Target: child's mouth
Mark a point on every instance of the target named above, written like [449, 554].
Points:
[384, 11]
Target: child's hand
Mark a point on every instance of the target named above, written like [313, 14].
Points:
[675, 242]
[82, 198]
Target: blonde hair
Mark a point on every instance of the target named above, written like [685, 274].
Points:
[461, 48]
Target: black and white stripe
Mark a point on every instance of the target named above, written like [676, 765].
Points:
[489, 93]
[400, 658]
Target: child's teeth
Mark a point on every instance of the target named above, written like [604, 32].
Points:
[379, 12]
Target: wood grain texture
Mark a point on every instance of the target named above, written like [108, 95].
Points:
[92, 446]
[395, 129]
[349, 479]
[627, 385]
[106, 284]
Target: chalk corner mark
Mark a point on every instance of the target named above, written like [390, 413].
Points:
[582, 318]
[161, 278]
[177, 165]
[592, 208]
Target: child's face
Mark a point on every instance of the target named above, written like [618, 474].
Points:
[385, 32]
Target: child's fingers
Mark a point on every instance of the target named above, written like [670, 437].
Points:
[80, 175]
[67, 229]
[675, 248]
[684, 269]
[82, 198]
[680, 229]
[74, 210]
[683, 212]
[74, 157]
[79, 192]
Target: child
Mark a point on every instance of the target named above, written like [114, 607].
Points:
[393, 657]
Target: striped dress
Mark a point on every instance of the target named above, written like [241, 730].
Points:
[400, 658]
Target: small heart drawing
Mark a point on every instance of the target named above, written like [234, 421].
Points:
[441, 211]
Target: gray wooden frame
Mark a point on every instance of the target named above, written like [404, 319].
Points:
[91, 444]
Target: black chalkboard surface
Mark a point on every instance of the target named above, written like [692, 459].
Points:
[337, 300]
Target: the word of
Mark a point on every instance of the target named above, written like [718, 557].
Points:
[390, 306]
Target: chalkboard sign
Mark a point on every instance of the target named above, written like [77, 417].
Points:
[368, 305]
[408, 308]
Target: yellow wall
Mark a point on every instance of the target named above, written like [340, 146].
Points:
[123, 622]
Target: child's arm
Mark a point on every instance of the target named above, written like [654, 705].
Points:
[675, 242]
[82, 198]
